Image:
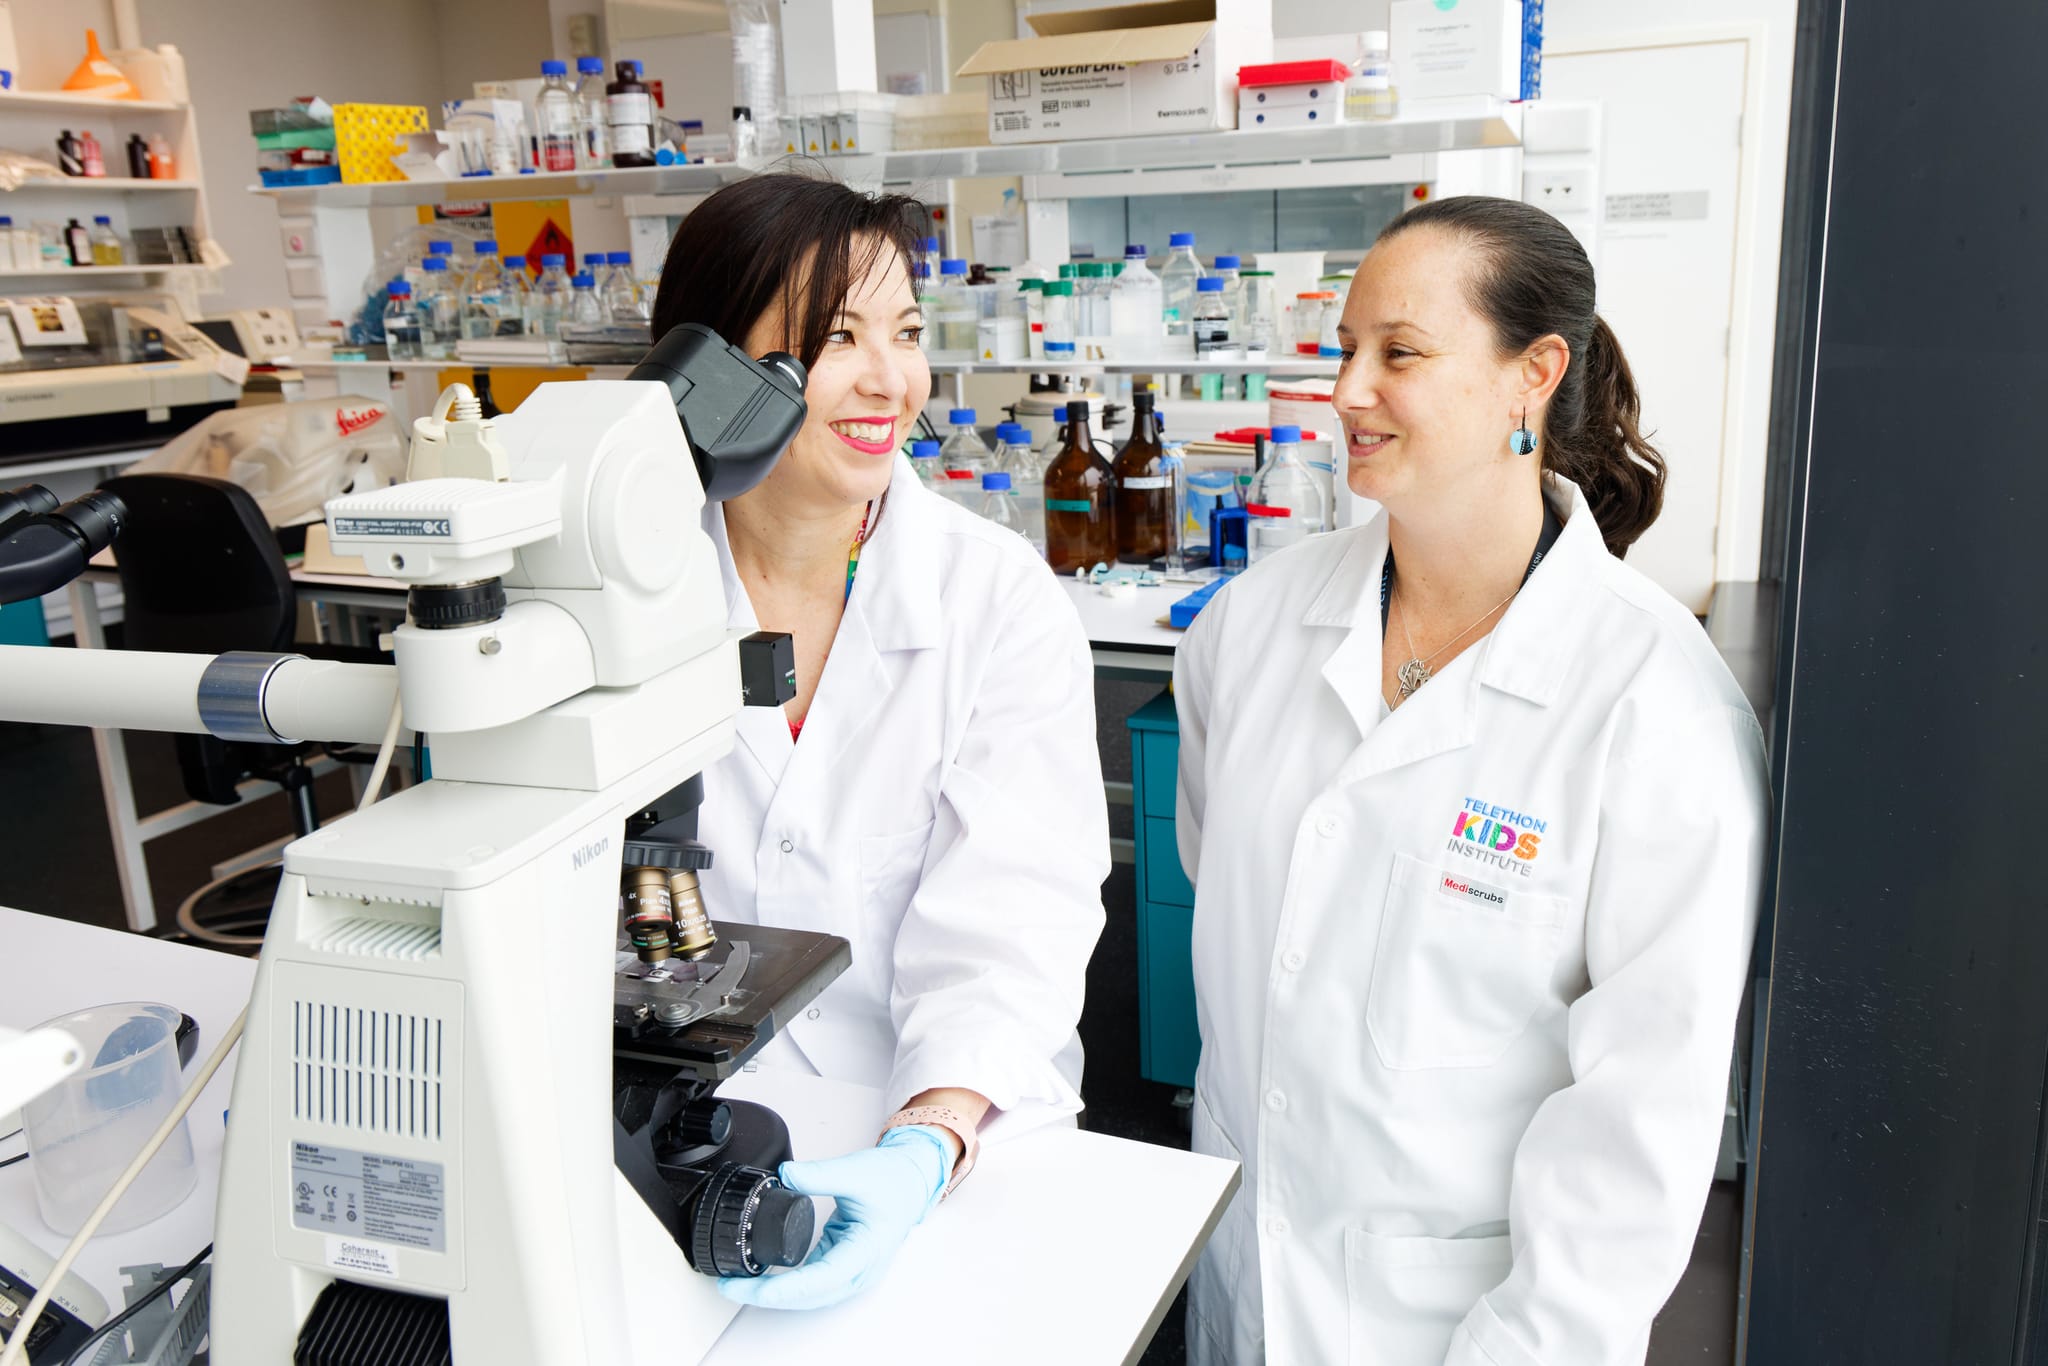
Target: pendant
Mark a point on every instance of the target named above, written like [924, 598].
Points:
[1413, 675]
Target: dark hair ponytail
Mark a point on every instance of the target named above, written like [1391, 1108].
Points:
[1534, 281]
[802, 240]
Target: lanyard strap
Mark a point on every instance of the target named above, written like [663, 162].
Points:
[853, 556]
[1552, 529]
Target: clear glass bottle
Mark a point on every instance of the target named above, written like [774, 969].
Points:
[929, 468]
[1144, 488]
[1033, 292]
[401, 323]
[593, 121]
[999, 502]
[1233, 290]
[1286, 502]
[550, 296]
[106, 247]
[1016, 457]
[1092, 322]
[629, 114]
[1259, 294]
[929, 249]
[622, 302]
[440, 310]
[1213, 340]
[483, 295]
[1137, 308]
[1177, 288]
[965, 453]
[954, 314]
[1050, 451]
[585, 308]
[554, 110]
[515, 297]
[1309, 306]
[1369, 94]
[1059, 320]
[746, 139]
[1080, 500]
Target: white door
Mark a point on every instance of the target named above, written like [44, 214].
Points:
[1671, 127]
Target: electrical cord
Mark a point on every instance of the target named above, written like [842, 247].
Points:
[84, 1351]
[374, 784]
[16, 1351]
[18, 1157]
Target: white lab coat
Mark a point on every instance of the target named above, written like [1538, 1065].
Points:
[943, 812]
[1476, 1082]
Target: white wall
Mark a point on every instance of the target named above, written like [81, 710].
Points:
[1572, 25]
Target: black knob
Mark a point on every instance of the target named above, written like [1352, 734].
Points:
[700, 1123]
[441, 607]
[746, 1221]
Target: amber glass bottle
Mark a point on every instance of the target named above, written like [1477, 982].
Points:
[1144, 489]
[1080, 500]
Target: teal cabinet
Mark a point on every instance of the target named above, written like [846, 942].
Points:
[1168, 1043]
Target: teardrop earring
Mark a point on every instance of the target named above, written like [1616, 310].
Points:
[1521, 440]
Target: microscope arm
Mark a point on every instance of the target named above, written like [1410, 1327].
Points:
[261, 698]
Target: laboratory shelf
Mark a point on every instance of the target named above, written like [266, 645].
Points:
[69, 100]
[1481, 125]
[322, 365]
[77, 272]
[101, 185]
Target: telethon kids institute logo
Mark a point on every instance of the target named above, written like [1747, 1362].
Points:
[1497, 835]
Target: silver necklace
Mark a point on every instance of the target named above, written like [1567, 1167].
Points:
[1416, 672]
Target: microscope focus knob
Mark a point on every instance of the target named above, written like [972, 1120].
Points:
[746, 1221]
[701, 1123]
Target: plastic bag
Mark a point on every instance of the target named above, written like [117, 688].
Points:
[291, 457]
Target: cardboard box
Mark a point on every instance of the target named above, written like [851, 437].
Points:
[1452, 48]
[1125, 71]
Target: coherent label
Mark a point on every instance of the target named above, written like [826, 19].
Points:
[369, 1195]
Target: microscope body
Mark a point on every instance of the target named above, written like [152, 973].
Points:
[423, 1107]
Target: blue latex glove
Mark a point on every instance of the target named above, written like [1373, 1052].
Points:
[882, 1192]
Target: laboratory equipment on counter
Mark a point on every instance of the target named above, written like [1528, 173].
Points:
[1080, 500]
[555, 111]
[1018, 458]
[926, 464]
[1260, 313]
[966, 457]
[450, 1026]
[105, 375]
[746, 140]
[1059, 320]
[550, 304]
[585, 308]
[1310, 308]
[1136, 309]
[1288, 503]
[1212, 329]
[1032, 291]
[1177, 291]
[1092, 323]
[621, 293]
[515, 304]
[1369, 94]
[1144, 489]
[629, 109]
[954, 315]
[439, 308]
[85, 1131]
[999, 503]
[483, 297]
[44, 546]
[593, 123]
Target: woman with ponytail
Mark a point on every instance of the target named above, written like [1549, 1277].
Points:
[1475, 817]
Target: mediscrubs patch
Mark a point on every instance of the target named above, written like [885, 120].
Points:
[1466, 892]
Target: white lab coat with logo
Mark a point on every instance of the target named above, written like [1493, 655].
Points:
[1467, 973]
[943, 812]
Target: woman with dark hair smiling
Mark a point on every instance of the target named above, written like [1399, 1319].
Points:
[933, 793]
[1476, 820]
